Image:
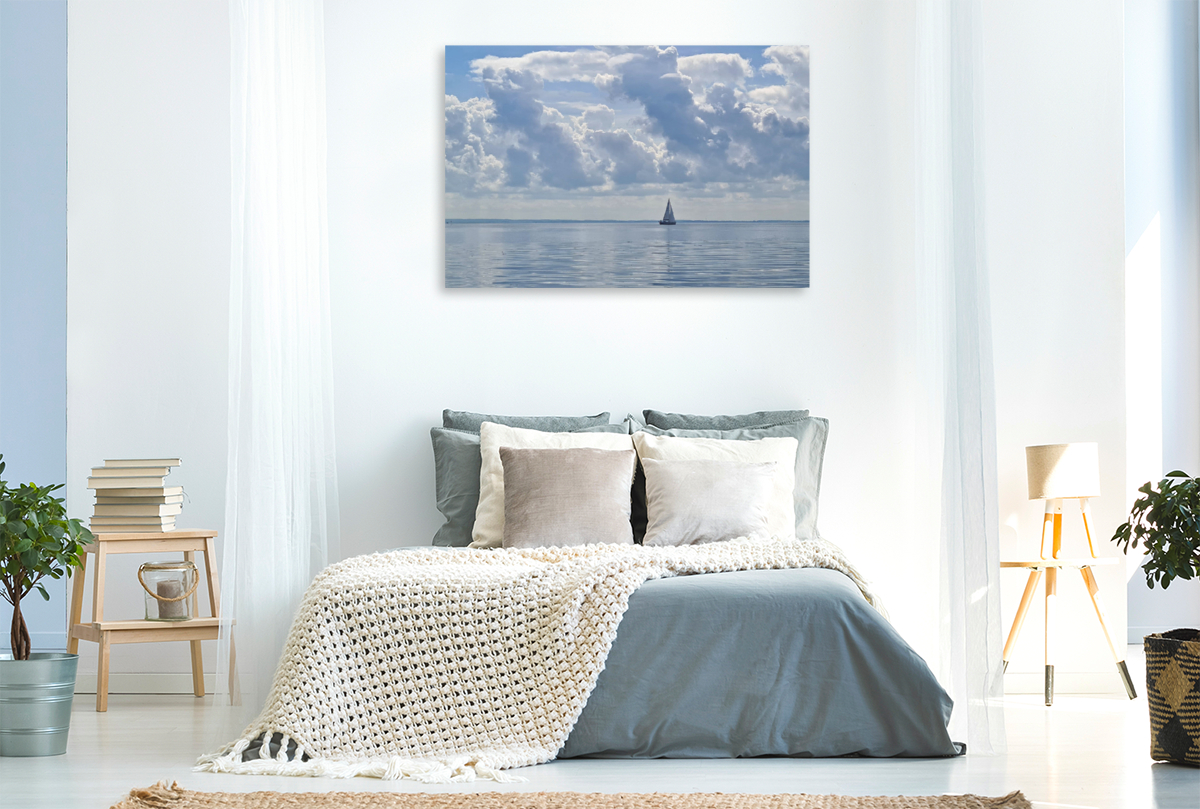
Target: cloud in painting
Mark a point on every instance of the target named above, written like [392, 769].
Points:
[632, 120]
[706, 69]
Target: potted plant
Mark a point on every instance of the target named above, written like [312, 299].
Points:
[36, 688]
[1166, 522]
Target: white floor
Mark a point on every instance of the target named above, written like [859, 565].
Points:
[1082, 752]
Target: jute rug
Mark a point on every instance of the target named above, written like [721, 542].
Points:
[162, 796]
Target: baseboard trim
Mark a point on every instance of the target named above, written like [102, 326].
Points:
[1015, 682]
[144, 683]
[1065, 682]
[47, 641]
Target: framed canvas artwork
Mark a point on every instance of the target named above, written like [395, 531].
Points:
[627, 166]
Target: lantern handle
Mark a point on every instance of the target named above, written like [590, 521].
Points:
[195, 582]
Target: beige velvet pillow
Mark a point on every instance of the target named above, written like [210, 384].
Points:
[690, 502]
[488, 531]
[781, 514]
[566, 496]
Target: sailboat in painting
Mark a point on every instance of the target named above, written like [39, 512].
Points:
[669, 216]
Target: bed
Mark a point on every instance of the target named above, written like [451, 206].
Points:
[449, 664]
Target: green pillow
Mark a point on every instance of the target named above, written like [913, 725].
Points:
[456, 465]
[810, 432]
[463, 420]
[684, 421]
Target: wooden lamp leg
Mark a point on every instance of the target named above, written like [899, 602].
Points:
[1086, 511]
[1051, 605]
[1048, 517]
[1093, 588]
[1035, 576]
[1057, 506]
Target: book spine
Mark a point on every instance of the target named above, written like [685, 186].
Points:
[141, 491]
[104, 499]
[125, 483]
[132, 510]
[130, 472]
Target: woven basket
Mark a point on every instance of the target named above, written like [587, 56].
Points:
[1173, 691]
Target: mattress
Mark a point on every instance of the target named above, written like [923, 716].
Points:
[760, 663]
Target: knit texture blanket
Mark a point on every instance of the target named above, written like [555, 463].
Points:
[448, 666]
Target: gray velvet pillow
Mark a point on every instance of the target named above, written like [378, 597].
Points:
[811, 433]
[565, 497]
[691, 502]
[463, 420]
[456, 464]
[685, 421]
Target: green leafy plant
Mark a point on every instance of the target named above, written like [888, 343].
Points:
[1167, 522]
[36, 540]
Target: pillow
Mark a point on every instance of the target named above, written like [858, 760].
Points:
[811, 434]
[463, 420]
[566, 496]
[690, 502]
[684, 421]
[456, 480]
[489, 514]
[781, 516]
[455, 483]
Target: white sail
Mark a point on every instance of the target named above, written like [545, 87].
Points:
[669, 216]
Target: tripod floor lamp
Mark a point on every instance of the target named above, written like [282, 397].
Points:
[1059, 472]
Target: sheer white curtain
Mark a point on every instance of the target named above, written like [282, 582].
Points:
[281, 508]
[957, 428]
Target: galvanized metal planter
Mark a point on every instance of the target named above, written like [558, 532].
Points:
[35, 703]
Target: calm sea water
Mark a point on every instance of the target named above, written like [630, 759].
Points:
[511, 253]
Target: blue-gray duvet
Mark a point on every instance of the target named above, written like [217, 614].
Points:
[760, 663]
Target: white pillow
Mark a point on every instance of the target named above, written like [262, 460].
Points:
[690, 502]
[781, 516]
[489, 514]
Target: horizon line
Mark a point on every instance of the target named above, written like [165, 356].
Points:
[680, 221]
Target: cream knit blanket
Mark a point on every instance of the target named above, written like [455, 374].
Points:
[447, 666]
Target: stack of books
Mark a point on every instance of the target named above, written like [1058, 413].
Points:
[132, 496]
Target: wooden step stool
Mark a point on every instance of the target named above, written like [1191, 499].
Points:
[106, 633]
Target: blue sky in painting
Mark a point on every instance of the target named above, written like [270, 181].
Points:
[611, 132]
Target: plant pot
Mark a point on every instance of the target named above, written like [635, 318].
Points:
[1173, 693]
[35, 703]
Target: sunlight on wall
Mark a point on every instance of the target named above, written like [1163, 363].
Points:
[1143, 367]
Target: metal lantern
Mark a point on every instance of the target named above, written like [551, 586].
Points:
[169, 587]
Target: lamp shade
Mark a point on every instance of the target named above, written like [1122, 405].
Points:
[1063, 470]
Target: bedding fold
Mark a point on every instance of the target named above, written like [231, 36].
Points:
[451, 666]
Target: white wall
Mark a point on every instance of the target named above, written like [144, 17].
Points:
[1162, 239]
[1056, 250]
[148, 247]
[405, 347]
